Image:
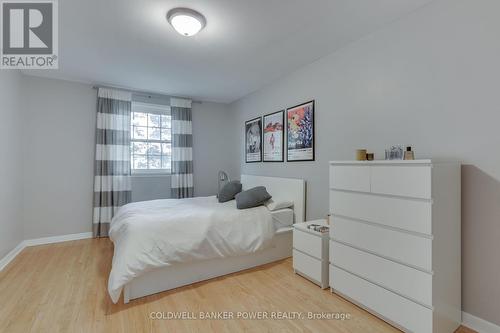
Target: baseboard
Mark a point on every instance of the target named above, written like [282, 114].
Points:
[478, 324]
[40, 241]
[11, 255]
[57, 239]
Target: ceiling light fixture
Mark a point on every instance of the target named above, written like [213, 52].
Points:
[186, 21]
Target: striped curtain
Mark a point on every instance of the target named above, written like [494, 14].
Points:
[112, 186]
[182, 149]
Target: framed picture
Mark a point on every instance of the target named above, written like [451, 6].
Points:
[253, 140]
[274, 138]
[300, 132]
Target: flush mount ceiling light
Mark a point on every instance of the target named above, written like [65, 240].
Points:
[186, 21]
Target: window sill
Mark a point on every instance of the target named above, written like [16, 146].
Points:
[150, 175]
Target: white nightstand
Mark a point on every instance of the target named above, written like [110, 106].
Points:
[310, 252]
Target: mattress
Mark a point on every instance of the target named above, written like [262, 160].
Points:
[282, 218]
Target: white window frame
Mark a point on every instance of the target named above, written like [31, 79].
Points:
[150, 108]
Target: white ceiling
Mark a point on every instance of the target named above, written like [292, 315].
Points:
[245, 45]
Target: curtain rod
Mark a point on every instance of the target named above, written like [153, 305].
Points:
[141, 92]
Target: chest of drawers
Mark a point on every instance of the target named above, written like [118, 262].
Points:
[395, 241]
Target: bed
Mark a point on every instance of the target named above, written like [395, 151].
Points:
[229, 240]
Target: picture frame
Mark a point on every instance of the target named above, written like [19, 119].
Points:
[395, 152]
[274, 137]
[300, 132]
[253, 140]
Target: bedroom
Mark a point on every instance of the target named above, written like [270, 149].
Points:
[422, 73]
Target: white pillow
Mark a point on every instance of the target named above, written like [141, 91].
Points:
[275, 205]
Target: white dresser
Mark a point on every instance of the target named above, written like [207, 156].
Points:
[395, 241]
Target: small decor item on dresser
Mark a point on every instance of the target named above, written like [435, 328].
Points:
[394, 153]
[370, 156]
[361, 155]
[409, 154]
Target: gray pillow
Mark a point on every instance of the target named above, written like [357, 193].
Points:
[252, 198]
[228, 191]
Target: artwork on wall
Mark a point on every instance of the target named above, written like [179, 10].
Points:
[253, 140]
[274, 136]
[300, 132]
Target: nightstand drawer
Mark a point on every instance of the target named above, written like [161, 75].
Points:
[308, 243]
[307, 265]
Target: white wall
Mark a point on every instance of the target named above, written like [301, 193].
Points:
[11, 232]
[431, 80]
[58, 157]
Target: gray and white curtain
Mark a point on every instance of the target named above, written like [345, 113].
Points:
[182, 149]
[112, 184]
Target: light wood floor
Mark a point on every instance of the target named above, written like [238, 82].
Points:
[62, 288]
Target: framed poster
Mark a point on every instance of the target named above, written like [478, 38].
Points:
[274, 137]
[300, 132]
[253, 140]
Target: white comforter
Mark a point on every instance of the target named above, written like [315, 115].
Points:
[161, 233]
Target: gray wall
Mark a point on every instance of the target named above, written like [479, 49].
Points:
[212, 151]
[59, 126]
[430, 80]
[150, 187]
[58, 154]
[11, 231]
[214, 146]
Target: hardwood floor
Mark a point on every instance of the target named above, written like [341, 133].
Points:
[62, 288]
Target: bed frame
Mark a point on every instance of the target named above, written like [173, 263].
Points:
[179, 275]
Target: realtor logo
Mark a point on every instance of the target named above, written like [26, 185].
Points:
[29, 34]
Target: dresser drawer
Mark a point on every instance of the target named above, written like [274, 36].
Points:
[401, 279]
[407, 214]
[307, 265]
[403, 247]
[350, 177]
[401, 311]
[410, 181]
[308, 243]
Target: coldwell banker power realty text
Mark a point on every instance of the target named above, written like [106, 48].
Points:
[29, 37]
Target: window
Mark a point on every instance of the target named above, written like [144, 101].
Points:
[150, 140]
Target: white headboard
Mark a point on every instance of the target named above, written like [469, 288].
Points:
[283, 189]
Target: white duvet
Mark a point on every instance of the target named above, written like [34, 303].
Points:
[161, 233]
